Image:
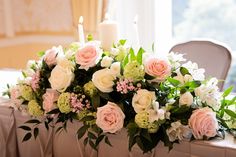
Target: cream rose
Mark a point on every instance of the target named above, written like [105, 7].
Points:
[186, 99]
[115, 67]
[61, 78]
[110, 118]
[88, 56]
[157, 68]
[203, 122]
[143, 100]
[104, 80]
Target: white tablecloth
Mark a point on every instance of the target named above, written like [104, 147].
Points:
[50, 144]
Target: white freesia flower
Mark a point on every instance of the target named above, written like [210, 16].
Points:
[175, 59]
[183, 79]
[186, 99]
[143, 100]
[106, 61]
[209, 93]
[177, 131]
[115, 67]
[197, 74]
[104, 80]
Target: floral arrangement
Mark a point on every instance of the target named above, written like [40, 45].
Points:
[155, 99]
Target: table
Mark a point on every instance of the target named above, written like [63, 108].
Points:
[50, 144]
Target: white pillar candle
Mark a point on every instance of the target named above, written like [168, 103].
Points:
[108, 33]
[81, 30]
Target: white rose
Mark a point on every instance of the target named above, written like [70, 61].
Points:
[106, 61]
[143, 100]
[186, 99]
[61, 78]
[115, 67]
[104, 80]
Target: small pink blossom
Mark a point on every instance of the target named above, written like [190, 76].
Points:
[203, 122]
[79, 103]
[50, 57]
[14, 95]
[87, 56]
[124, 86]
[110, 118]
[160, 69]
[49, 98]
[34, 83]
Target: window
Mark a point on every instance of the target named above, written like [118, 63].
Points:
[214, 19]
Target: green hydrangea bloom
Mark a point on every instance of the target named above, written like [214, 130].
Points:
[153, 127]
[27, 92]
[34, 108]
[142, 119]
[133, 70]
[63, 103]
[90, 89]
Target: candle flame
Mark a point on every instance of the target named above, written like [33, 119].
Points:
[136, 19]
[81, 19]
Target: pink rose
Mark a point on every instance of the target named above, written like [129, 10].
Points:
[203, 122]
[110, 118]
[157, 68]
[50, 57]
[49, 98]
[87, 56]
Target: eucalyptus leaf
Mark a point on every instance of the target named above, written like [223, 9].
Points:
[36, 121]
[91, 135]
[36, 132]
[92, 144]
[27, 137]
[107, 141]
[99, 139]
[25, 128]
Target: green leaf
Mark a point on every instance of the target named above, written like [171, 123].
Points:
[231, 102]
[36, 132]
[95, 100]
[107, 141]
[86, 141]
[122, 42]
[82, 131]
[25, 128]
[132, 55]
[27, 137]
[174, 82]
[36, 121]
[46, 125]
[139, 142]
[87, 118]
[92, 144]
[24, 74]
[54, 111]
[132, 129]
[184, 71]
[144, 133]
[41, 53]
[91, 135]
[140, 55]
[59, 129]
[125, 61]
[89, 37]
[99, 139]
[193, 84]
[230, 113]
[227, 91]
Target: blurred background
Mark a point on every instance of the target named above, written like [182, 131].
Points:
[30, 26]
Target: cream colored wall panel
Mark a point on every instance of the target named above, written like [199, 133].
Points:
[42, 15]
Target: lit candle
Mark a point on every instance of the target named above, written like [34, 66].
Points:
[136, 37]
[108, 33]
[81, 30]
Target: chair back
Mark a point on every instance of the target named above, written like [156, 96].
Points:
[213, 57]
